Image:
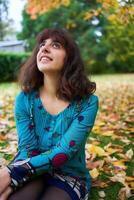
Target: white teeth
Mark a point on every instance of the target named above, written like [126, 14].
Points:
[46, 58]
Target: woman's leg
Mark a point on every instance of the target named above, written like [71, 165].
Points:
[55, 193]
[31, 191]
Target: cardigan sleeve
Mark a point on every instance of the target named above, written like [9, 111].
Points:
[70, 142]
[27, 140]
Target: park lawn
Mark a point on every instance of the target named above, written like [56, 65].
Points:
[109, 146]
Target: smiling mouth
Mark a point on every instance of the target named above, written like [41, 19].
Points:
[45, 58]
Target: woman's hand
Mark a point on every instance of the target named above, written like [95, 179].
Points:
[4, 179]
[6, 193]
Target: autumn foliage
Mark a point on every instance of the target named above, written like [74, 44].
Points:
[116, 11]
[113, 10]
[39, 7]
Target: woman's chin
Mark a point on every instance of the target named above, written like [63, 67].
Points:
[47, 70]
[44, 67]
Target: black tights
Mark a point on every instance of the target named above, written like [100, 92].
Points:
[37, 190]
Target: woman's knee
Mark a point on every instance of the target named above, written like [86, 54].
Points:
[55, 193]
[31, 190]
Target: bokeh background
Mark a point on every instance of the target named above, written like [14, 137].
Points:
[104, 31]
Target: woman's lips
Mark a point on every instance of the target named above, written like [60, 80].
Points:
[45, 58]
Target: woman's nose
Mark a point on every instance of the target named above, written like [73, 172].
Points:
[46, 48]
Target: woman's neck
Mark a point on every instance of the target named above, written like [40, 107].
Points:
[49, 88]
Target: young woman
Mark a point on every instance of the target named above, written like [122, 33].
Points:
[54, 113]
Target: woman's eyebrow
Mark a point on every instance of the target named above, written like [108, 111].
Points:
[53, 40]
[56, 41]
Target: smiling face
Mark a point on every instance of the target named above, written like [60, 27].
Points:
[51, 56]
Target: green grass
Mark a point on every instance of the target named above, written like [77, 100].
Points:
[111, 192]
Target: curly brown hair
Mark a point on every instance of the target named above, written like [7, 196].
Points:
[73, 83]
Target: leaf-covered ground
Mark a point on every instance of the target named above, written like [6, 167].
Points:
[109, 149]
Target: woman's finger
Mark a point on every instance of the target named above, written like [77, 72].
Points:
[4, 179]
[5, 194]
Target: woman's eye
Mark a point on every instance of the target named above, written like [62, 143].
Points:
[56, 45]
[42, 44]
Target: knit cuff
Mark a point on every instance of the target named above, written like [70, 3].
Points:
[20, 173]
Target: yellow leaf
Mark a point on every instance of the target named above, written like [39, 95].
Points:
[96, 149]
[108, 133]
[130, 181]
[99, 183]
[88, 16]
[112, 17]
[129, 178]
[119, 164]
[101, 124]
[111, 151]
[131, 185]
[123, 156]
[94, 173]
